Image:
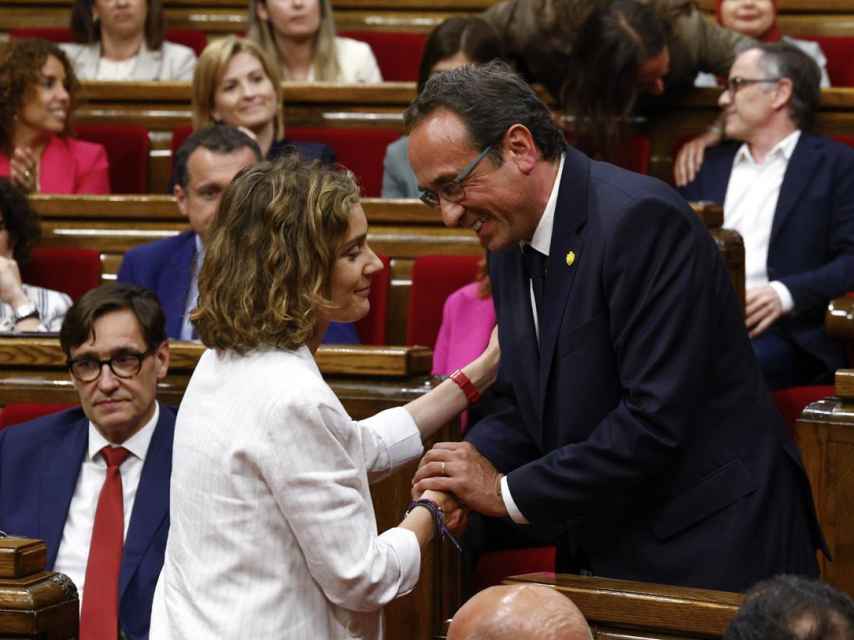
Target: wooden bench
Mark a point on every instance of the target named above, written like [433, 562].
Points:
[641, 610]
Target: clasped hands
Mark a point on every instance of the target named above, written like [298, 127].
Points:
[464, 479]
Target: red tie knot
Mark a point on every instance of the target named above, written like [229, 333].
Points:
[114, 456]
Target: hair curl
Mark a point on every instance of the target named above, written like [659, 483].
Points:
[270, 254]
[85, 29]
[21, 222]
[21, 62]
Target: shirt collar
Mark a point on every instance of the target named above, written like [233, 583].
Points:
[200, 250]
[137, 444]
[542, 238]
[785, 147]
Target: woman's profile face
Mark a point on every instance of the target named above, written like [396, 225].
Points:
[46, 105]
[245, 95]
[121, 18]
[751, 17]
[350, 284]
[296, 19]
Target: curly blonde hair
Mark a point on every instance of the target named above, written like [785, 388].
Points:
[270, 255]
[21, 62]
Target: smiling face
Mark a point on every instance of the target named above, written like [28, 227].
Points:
[45, 108]
[245, 95]
[751, 17]
[119, 407]
[350, 283]
[495, 201]
[291, 19]
[121, 18]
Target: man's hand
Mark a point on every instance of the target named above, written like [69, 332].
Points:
[762, 309]
[456, 515]
[458, 468]
[690, 156]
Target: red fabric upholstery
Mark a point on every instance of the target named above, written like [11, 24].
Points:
[791, 402]
[633, 154]
[371, 328]
[839, 51]
[73, 271]
[19, 412]
[127, 148]
[434, 278]
[360, 149]
[196, 40]
[398, 53]
[494, 566]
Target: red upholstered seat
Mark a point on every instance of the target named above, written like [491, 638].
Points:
[632, 154]
[196, 40]
[127, 148]
[73, 271]
[791, 402]
[18, 412]
[434, 278]
[494, 566]
[398, 53]
[839, 51]
[371, 328]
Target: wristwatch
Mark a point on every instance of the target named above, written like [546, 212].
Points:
[25, 312]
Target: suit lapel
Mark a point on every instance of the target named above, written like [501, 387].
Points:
[566, 246]
[151, 505]
[805, 161]
[180, 272]
[62, 465]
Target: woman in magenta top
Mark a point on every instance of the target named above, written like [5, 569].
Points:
[37, 91]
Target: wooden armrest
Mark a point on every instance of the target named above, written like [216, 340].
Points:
[839, 318]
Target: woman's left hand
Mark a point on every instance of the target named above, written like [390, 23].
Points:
[23, 169]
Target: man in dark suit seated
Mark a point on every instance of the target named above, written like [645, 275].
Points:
[636, 416]
[205, 165]
[93, 482]
[790, 194]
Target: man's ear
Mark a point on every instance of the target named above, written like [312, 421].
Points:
[783, 93]
[520, 148]
[161, 359]
[181, 199]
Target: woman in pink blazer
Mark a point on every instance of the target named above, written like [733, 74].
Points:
[37, 92]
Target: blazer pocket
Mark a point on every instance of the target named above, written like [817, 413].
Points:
[714, 493]
[583, 335]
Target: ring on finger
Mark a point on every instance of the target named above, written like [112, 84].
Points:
[444, 473]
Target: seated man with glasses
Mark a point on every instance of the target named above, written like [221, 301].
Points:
[790, 195]
[93, 482]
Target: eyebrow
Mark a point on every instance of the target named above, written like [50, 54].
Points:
[354, 242]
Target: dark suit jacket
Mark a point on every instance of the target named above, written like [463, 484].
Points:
[166, 267]
[645, 425]
[39, 464]
[811, 248]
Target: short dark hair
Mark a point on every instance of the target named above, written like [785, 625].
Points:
[80, 319]
[21, 222]
[783, 60]
[217, 138]
[86, 30]
[489, 99]
[778, 607]
[601, 83]
[470, 35]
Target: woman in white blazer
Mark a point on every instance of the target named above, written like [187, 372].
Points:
[124, 40]
[273, 533]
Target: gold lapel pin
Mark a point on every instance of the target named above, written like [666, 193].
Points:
[570, 258]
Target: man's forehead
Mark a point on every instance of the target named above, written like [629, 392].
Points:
[205, 165]
[114, 331]
[746, 63]
[439, 147]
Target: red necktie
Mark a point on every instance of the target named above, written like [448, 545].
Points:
[99, 616]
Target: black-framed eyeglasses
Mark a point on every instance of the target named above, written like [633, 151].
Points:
[123, 365]
[453, 190]
[737, 82]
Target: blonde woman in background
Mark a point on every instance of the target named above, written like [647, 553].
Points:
[300, 36]
[236, 83]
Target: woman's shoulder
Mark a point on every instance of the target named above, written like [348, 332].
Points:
[357, 61]
[352, 46]
[85, 152]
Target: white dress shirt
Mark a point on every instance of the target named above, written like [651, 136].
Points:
[187, 329]
[749, 206]
[273, 532]
[541, 241]
[73, 553]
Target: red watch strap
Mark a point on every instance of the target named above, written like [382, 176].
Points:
[463, 382]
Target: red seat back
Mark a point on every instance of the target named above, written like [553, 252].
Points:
[839, 51]
[791, 402]
[632, 154]
[18, 412]
[398, 53]
[196, 40]
[73, 271]
[434, 278]
[371, 328]
[128, 148]
[495, 566]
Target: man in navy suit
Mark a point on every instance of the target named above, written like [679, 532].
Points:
[205, 165]
[53, 469]
[635, 414]
[790, 195]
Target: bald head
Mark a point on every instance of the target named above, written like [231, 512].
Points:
[519, 612]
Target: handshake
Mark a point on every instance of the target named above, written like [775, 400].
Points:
[457, 478]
